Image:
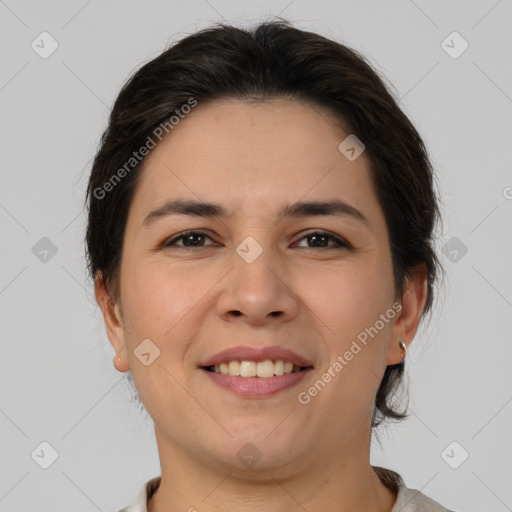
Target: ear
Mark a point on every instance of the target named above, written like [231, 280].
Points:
[406, 325]
[113, 323]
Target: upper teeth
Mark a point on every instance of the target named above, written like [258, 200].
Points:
[266, 368]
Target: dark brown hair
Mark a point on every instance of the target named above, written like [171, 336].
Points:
[272, 60]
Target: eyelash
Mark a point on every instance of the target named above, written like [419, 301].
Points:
[341, 243]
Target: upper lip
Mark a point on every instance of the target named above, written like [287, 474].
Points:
[247, 353]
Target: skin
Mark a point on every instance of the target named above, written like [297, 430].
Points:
[253, 158]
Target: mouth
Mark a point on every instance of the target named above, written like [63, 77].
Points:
[261, 369]
[256, 372]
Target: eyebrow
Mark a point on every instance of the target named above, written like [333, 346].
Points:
[335, 207]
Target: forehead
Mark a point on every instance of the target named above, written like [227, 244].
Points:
[249, 130]
[252, 154]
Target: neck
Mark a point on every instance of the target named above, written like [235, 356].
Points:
[339, 482]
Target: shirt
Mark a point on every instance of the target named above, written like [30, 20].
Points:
[408, 500]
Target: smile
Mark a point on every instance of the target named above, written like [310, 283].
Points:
[262, 369]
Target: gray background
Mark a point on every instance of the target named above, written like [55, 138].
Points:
[58, 383]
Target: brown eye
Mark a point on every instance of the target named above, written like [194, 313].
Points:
[320, 239]
[191, 239]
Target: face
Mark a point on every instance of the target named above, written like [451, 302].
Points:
[262, 278]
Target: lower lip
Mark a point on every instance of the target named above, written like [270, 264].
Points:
[256, 387]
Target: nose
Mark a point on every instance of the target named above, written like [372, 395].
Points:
[258, 293]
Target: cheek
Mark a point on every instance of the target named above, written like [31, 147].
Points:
[157, 297]
[157, 300]
[349, 303]
[351, 297]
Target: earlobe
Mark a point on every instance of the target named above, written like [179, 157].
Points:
[413, 301]
[121, 362]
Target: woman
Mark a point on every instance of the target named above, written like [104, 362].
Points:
[261, 218]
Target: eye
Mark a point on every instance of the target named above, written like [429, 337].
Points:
[191, 238]
[320, 239]
[196, 238]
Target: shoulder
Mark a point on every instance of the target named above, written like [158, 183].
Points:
[140, 503]
[411, 500]
[407, 500]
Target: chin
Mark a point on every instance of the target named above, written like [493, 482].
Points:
[261, 445]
